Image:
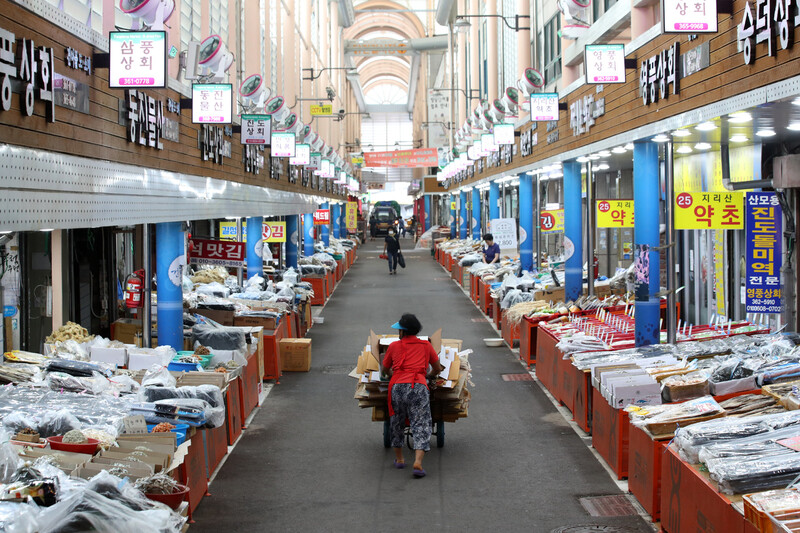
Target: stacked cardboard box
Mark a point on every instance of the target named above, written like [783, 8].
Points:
[449, 395]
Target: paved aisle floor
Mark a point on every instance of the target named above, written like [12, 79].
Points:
[311, 460]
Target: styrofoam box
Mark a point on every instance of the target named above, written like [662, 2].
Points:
[647, 399]
[734, 385]
[114, 356]
[142, 361]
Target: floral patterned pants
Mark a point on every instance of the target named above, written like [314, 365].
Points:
[412, 403]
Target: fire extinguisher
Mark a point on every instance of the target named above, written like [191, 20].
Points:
[134, 285]
[596, 267]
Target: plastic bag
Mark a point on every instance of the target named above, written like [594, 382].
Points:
[19, 517]
[55, 423]
[158, 376]
[123, 384]
[90, 511]
[213, 402]
[213, 289]
[219, 338]
[9, 459]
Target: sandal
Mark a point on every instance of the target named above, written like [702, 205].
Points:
[399, 465]
[419, 472]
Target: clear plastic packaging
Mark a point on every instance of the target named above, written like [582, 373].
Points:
[210, 399]
[219, 338]
[158, 376]
[689, 440]
[89, 511]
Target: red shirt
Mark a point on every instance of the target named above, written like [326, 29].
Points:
[409, 359]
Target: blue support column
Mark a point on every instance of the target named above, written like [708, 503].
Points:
[573, 231]
[526, 233]
[476, 214]
[343, 221]
[308, 234]
[646, 188]
[336, 220]
[292, 240]
[494, 201]
[255, 245]
[428, 213]
[453, 228]
[325, 230]
[169, 275]
[463, 222]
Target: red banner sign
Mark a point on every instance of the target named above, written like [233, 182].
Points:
[322, 217]
[219, 253]
[422, 157]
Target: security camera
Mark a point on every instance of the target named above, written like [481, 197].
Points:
[331, 93]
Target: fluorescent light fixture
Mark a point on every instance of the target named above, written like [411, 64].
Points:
[594, 157]
[796, 101]
[661, 138]
[629, 146]
[46, 230]
[604, 153]
[740, 117]
[766, 132]
[684, 149]
[706, 126]
[794, 126]
[603, 166]
[619, 150]
[702, 146]
[739, 138]
[582, 159]
[681, 133]
[595, 168]
[557, 175]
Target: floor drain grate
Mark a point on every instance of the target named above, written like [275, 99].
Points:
[591, 529]
[516, 377]
[615, 505]
[479, 320]
[341, 370]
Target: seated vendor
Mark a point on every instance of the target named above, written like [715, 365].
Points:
[491, 254]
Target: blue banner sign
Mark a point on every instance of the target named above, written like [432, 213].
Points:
[764, 222]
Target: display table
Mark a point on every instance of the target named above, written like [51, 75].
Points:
[233, 410]
[329, 286]
[192, 472]
[510, 332]
[690, 502]
[610, 428]
[644, 468]
[249, 387]
[320, 291]
[272, 356]
[216, 444]
[496, 312]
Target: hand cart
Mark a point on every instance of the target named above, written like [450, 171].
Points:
[437, 430]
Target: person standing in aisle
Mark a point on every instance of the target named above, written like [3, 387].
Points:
[401, 226]
[391, 246]
[406, 362]
[491, 253]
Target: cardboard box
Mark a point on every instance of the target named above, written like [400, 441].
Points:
[255, 321]
[125, 330]
[295, 355]
[550, 295]
[114, 356]
[223, 318]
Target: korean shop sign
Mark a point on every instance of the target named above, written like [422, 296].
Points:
[322, 217]
[274, 232]
[689, 16]
[774, 19]
[544, 107]
[604, 63]
[708, 210]
[218, 253]
[763, 257]
[321, 110]
[614, 213]
[24, 65]
[552, 221]
[212, 103]
[145, 119]
[583, 112]
[657, 74]
[351, 216]
[212, 144]
[137, 59]
[256, 129]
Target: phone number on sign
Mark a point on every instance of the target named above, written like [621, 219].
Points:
[764, 308]
[691, 26]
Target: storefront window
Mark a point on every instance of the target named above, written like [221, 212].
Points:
[551, 49]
